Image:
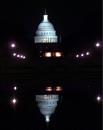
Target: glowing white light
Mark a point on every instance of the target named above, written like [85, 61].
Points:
[15, 88]
[97, 44]
[13, 45]
[82, 54]
[77, 56]
[14, 54]
[48, 54]
[49, 89]
[45, 18]
[87, 53]
[18, 55]
[24, 57]
[47, 118]
[98, 98]
[21, 56]
[14, 101]
[58, 88]
[58, 54]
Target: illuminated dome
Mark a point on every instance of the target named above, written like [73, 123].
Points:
[45, 32]
[47, 104]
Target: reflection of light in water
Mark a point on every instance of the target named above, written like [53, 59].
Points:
[47, 104]
[98, 98]
[49, 89]
[14, 101]
[58, 88]
[15, 88]
[47, 119]
[77, 56]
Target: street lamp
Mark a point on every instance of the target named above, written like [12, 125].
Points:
[82, 55]
[24, 57]
[13, 45]
[14, 102]
[18, 56]
[97, 44]
[48, 89]
[15, 88]
[87, 53]
[98, 98]
[14, 54]
[77, 56]
[58, 88]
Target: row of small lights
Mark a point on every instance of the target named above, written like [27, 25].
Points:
[57, 89]
[49, 54]
[20, 56]
[82, 54]
[97, 45]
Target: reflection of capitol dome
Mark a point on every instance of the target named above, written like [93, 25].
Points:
[47, 104]
[45, 32]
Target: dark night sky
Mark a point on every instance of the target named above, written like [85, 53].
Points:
[78, 22]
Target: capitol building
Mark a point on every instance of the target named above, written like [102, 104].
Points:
[46, 39]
